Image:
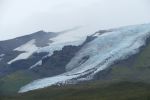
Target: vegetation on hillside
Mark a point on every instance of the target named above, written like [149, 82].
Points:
[116, 91]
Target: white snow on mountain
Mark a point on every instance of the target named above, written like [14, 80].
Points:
[102, 51]
[37, 64]
[28, 49]
[1, 56]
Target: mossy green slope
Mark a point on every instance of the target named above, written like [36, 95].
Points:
[11, 83]
[118, 91]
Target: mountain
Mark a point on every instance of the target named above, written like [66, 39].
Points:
[107, 56]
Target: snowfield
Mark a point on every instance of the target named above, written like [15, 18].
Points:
[73, 37]
[102, 51]
[28, 48]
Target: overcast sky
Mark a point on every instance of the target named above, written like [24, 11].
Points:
[20, 17]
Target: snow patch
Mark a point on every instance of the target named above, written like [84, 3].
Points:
[28, 48]
[39, 63]
[2, 55]
[74, 38]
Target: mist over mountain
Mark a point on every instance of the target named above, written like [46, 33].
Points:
[23, 17]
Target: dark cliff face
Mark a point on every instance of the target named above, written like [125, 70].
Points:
[56, 63]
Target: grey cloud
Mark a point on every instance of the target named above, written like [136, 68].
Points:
[20, 17]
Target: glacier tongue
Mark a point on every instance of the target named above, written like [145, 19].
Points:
[102, 52]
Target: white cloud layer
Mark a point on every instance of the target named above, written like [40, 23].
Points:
[20, 17]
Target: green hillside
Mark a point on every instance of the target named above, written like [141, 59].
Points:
[118, 91]
[11, 83]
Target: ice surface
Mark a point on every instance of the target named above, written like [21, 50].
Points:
[2, 55]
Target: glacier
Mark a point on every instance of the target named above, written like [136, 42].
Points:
[103, 51]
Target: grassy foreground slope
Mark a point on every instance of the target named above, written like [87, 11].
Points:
[11, 83]
[117, 91]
